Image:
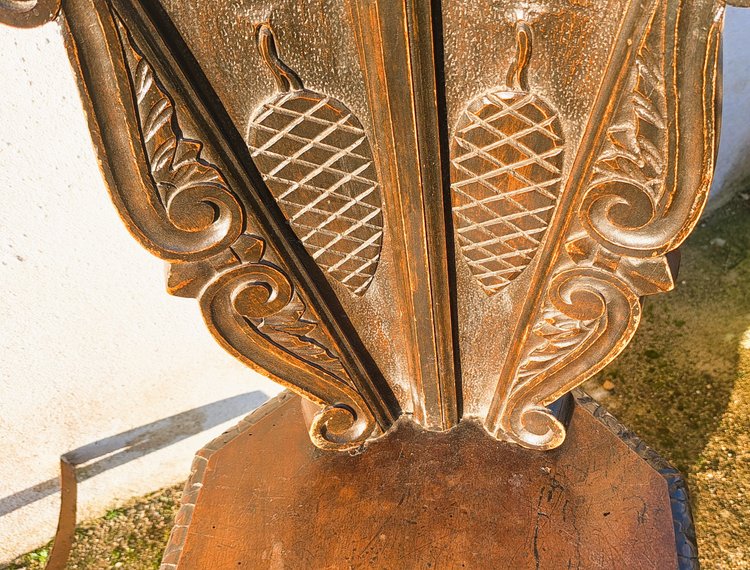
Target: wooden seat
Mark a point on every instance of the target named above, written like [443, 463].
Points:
[262, 496]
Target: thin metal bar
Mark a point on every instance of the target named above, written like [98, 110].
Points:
[66, 524]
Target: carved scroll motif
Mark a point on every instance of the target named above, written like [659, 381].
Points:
[192, 213]
[631, 213]
[249, 302]
[581, 233]
[631, 206]
[253, 308]
[28, 13]
[589, 315]
[316, 159]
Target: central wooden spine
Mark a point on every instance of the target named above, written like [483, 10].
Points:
[396, 48]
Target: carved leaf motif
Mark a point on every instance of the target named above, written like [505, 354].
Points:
[294, 332]
[633, 205]
[647, 276]
[591, 309]
[560, 334]
[588, 316]
[176, 204]
[254, 311]
[635, 148]
[177, 168]
[175, 164]
[288, 325]
[249, 302]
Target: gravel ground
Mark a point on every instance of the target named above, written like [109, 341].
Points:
[130, 537]
[683, 385]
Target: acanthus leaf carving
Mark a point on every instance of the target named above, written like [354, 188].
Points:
[647, 276]
[632, 205]
[188, 278]
[559, 334]
[586, 232]
[297, 333]
[248, 300]
[197, 213]
[255, 313]
[588, 317]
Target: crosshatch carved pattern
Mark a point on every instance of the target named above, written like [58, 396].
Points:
[587, 244]
[315, 158]
[176, 167]
[507, 156]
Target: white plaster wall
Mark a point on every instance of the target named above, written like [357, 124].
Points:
[91, 345]
[733, 166]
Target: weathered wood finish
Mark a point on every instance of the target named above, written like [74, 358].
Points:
[431, 220]
[441, 209]
[416, 499]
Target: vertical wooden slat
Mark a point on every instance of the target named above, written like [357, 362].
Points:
[395, 41]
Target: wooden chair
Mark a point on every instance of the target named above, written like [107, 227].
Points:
[430, 221]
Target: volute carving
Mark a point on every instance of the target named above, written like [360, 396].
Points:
[250, 305]
[443, 213]
[185, 209]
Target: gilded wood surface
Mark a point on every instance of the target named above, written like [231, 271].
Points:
[443, 210]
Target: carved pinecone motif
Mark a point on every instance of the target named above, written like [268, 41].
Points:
[506, 173]
[506, 163]
[316, 159]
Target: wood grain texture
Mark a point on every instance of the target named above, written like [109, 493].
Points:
[443, 210]
[575, 304]
[417, 499]
[430, 220]
[400, 80]
[187, 210]
[634, 189]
